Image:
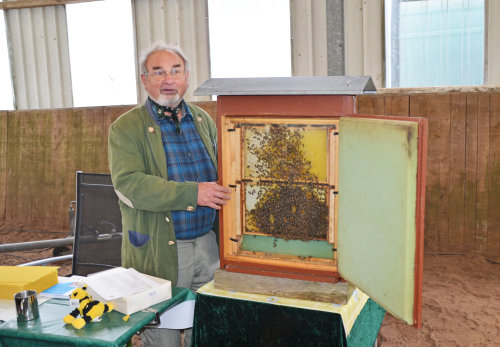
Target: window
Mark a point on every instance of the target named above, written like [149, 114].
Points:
[101, 48]
[6, 95]
[249, 38]
[434, 42]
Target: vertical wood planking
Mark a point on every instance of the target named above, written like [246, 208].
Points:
[40, 152]
[440, 111]
[399, 105]
[387, 105]
[433, 238]
[19, 163]
[102, 128]
[72, 143]
[482, 173]
[494, 178]
[86, 131]
[414, 106]
[471, 164]
[457, 172]
[379, 105]
[3, 163]
[365, 104]
[64, 176]
[42, 179]
[419, 107]
[13, 151]
[97, 161]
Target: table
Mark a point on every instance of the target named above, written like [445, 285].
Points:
[224, 318]
[50, 330]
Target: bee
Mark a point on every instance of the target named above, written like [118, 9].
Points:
[290, 203]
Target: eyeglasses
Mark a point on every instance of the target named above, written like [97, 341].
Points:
[160, 75]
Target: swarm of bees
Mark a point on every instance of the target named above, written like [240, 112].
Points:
[290, 203]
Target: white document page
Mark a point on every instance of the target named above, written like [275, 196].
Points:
[180, 316]
[119, 282]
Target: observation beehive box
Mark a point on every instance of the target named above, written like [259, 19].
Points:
[321, 193]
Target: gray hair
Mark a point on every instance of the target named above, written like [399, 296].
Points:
[158, 47]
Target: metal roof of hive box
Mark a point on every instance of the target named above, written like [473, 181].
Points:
[303, 85]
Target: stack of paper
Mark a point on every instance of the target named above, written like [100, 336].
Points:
[129, 290]
[14, 279]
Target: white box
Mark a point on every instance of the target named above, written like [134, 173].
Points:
[158, 290]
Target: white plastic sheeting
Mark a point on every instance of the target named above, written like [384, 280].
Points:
[184, 23]
[39, 57]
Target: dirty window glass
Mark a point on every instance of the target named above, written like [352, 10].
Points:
[434, 42]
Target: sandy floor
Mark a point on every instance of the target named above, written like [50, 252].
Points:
[461, 297]
[461, 305]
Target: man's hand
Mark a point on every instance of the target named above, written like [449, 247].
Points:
[213, 195]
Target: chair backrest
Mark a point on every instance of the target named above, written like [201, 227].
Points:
[98, 227]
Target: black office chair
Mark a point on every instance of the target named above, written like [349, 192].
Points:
[98, 225]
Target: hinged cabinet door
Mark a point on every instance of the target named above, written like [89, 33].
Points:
[380, 210]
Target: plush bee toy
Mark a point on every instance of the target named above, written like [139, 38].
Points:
[88, 309]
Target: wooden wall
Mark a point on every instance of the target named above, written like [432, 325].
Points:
[463, 166]
[41, 150]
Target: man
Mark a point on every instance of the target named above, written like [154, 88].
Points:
[162, 157]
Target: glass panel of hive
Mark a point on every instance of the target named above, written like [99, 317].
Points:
[286, 190]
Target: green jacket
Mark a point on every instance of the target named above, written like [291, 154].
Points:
[139, 173]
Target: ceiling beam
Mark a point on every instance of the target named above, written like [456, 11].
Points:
[20, 4]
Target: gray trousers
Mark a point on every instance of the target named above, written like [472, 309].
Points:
[198, 260]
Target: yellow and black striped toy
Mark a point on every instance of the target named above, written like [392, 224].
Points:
[87, 310]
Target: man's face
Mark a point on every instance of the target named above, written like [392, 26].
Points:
[167, 90]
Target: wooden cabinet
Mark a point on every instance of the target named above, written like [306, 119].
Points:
[321, 193]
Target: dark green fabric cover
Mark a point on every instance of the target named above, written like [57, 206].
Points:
[232, 322]
[367, 325]
[50, 330]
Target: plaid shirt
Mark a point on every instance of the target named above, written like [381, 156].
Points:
[187, 160]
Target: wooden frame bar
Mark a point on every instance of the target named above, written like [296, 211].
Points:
[20, 4]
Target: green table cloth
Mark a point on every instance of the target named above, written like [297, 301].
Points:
[229, 321]
[50, 330]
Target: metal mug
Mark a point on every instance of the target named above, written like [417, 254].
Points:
[26, 305]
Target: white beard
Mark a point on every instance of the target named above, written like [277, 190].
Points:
[167, 100]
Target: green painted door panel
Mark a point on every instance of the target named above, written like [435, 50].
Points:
[376, 209]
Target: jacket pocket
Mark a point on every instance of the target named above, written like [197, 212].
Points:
[138, 239]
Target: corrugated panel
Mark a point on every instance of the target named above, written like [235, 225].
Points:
[309, 38]
[39, 57]
[492, 68]
[364, 39]
[184, 23]
[335, 37]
